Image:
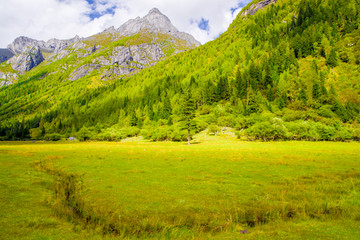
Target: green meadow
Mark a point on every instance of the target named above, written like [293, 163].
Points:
[216, 188]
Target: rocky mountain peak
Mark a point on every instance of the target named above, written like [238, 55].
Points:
[161, 22]
[21, 44]
[155, 22]
[155, 11]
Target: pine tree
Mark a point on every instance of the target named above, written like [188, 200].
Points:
[22, 128]
[332, 60]
[151, 112]
[166, 111]
[316, 91]
[222, 91]
[187, 113]
[207, 92]
[323, 89]
[333, 90]
[303, 96]
[133, 118]
[241, 85]
[252, 103]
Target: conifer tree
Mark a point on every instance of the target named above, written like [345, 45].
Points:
[303, 96]
[166, 108]
[207, 93]
[222, 91]
[316, 91]
[252, 104]
[332, 60]
[133, 118]
[241, 85]
[187, 113]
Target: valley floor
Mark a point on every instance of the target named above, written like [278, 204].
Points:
[218, 188]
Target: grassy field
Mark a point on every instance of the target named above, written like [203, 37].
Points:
[219, 188]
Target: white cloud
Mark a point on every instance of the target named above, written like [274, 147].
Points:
[45, 19]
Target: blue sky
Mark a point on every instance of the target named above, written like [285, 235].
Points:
[204, 25]
[63, 19]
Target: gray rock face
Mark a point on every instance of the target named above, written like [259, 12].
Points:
[141, 55]
[27, 60]
[155, 22]
[28, 51]
[7, 78]
[21, 44]
[5, 54]
[256, 7]
[110, 30]
[83, 71]
[123, 61]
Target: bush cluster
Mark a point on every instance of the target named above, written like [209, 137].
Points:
[276, 129]
[164, 133]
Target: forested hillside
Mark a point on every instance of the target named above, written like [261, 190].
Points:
[290, 71]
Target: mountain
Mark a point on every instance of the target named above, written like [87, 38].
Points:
[152, 38]
[284, 70]
[156, 22]
[5, 54]
[21, 44]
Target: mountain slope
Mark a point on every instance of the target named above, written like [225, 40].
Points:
[153, 37]
[290, 71]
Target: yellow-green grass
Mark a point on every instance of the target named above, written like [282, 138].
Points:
[212, 189]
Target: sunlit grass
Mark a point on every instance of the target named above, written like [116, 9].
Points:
[212, 189]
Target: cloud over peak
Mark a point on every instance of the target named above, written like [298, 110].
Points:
[45, 19]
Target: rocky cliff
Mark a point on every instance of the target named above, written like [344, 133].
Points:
[256, 7]
[25, 61]
[5, 54]
[21, 44]
[7, 78]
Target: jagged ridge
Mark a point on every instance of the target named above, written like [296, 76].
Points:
[157, 36]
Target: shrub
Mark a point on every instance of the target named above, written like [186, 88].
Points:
[179, 135]
[291, 115]
[325, 111]
[344, 134]
[201, 125]
[268, 131]
[84, 134]
[213, 129]
[326, 133]
[35, 133]
[160, 134]
[115, 133]
[52, 137]
[130, 131]
[205, 109]
[165, 133]
[107, 136]
[302, 130]
[356, 134]
[226, 121]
